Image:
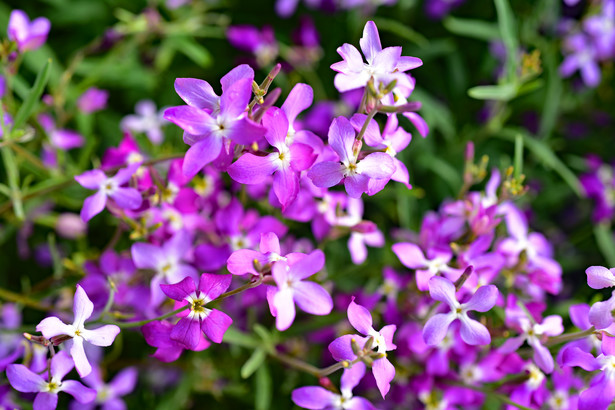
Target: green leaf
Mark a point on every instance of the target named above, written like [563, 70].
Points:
[253, 363]
[478, 29]
[518, 156]
[193, 50]
[401, 30]
[504, 92]
[530, 86]
[606, 244]
[235, 337]
[262, 399]
[508, 31]
[34, 96]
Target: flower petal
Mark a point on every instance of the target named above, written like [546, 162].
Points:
[436, 328]
[200, 154]
[23, 379]
[384, 372]
[187, 331]
[252, 169]
[102, 336]
[212, 285]
[410, 255]
[312, 298]
[326, 174]
[216, 324]
[473, 332]
[370, 42]
[196, 93]
[483, 300]
[45, 401]
[285, 307]
[93, 205]
[443, 290]
[599, 277]
[81, 393]
[53, 326]
[181, 290]
[78, 353]
[82, 307]
[314, 397]
[360, 318]
[298, 100]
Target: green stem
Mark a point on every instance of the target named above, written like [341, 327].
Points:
[568, 337]
[369, 118]
[12, 171]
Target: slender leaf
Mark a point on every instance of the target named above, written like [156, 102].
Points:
[478, 29]
[508, 31]
[263, 385]
[253, 363]
[34, 96]
[504, 92]
[518, 155]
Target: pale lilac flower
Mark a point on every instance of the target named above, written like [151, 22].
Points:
[165, 261]
[147, 120]
[472, 331]
[286, 164]
[108, 395]
[411, 256]
[242, 261]
[599, 277]
[199, 319]
[92, 100]
[28, 35]
[82, 308]
[108, 187]
[581, 56]
[211, 122]
[316, 397]
[292, 288]
[341, 348]
[26, 381]
[355, 173]
[601, 313]
[385, 65]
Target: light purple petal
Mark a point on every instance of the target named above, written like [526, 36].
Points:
[102, 336]
[286, 186]
[599, 277]
[512, 344]
[45, 401]
[473, 332]
[483, 300]
[277, 127]
[252, 169]
[370, 42]
[352, 376]
[542, 356]
[235, 98]
[356, 185]
[240, 72]
[81, 361]
[200, 154]
[93, 205]
[124, 382]
[192, 120]
[608, 345]
[599, 396]
[269, 243]
[313, 397]
[312, 298]
[215, 325]
[23, 379]
[443, 290]
[342, 138]
[61, 364]
[91, 179]
[405, 63]
[82, 307]
[573, 356]
[436, 328]
[410, 255]
[212, 285]
[196, 93]
[245, 131]
[81, 393]
[326, 174]
[52, 326]
[378, 165]
[388, 332]
[600, 314]
[360, 318]
[302, 156]
[418, 122]
[146, 256]
[552, 325]
[242, 261]
[179, 291]
[372, 136]
[341, 348]
[386, 60]
[298, 100]
[308, 265]
[285, 307]
[127, 198]
[187, 331]
[384, 372]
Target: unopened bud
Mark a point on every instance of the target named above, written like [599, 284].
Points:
[37, 339]
[356, 147]
[369, 344]
[355, 347]
[58, 340]
[367, 360]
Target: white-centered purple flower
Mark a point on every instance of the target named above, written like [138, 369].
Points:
[108, 395]
[82, 308]
[147, 119]
[28, 35]
[243, 261]
[198, 319]
[292, 288]
[355, 173]
[384, 65]
[166, 261]
[316, 397]
[108, 187]
[26, 381]
[411, 256]
[472, 332]
[211, 122]
[341, 348]
[286, 164]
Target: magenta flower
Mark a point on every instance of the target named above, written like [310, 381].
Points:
[82, 309]
[242, 261]
[158, 335]
[28, 35]
[211, 122]
[316, 397]
[108, 395]
[198, 318]
[26, 381]
[385, 65]
[286, 164]
[165, 261]
[341, 348]
[601, 391]
[310, 296]
[356, 174]
[126, 198]
[92, 100]
[472, 331]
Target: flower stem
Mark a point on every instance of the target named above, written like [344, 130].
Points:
[569, 337]
[369, 118]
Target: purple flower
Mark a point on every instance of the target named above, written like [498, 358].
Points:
[601, 391]
[92, 100]
[291, 288]
[599, 277]
[242, 261]
[125, 198]
[385, 65]
[28, 35]
[601, 313]
[82, 309]
[165, 261]
[261, 43]
[108, 395]
[356, 174]
[582, 56]
[199, 319]
[472, 331]
[147, 120]
[411, 256]
[24, 380]
[158, 335]
[341, 348]
[316, 397]
[286, 164]
[211, 122]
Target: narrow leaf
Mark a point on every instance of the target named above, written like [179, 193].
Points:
[253, 363]
[504, 92]
[478, 29]
[262, 399]
[34, 96]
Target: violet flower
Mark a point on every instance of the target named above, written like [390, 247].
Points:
[472, 331]
[82, 309]
[356, 174]
[286, 164]
[261, 43]
[291, 288]
[28, 35]
[243, 261]
[341, 348]
[198, 318]
[92, 100]
[126, 198]
[158, 335]
[108, 395]
[581, 56]
[411, 256]
[147, 120]
[385, 65]
[316, 397]
[211, 122]
[24, 380]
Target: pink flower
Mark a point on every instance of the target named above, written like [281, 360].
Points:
[28, 35]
